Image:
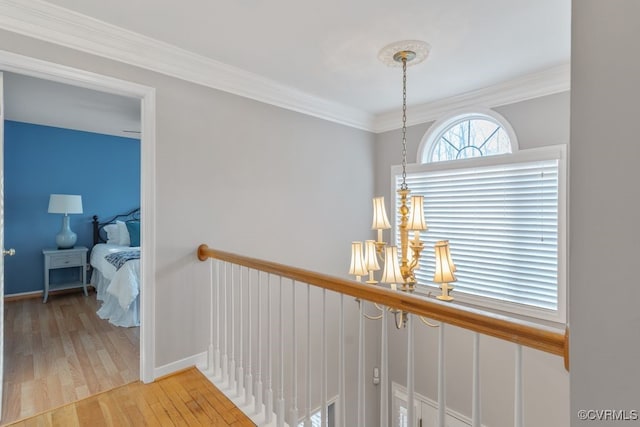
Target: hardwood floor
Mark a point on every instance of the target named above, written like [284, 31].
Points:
[186, 398]
[61, 351]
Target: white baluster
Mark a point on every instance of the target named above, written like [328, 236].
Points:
[212, 288]
[361, 362]
[232, 306]
[241, 338]
[384, 372]
[442, 398]
[268, 408]
[225, 327]
[410, 372]
[248, 380]
[258, 384]
[280, 401]
[518, 395]
[216, 352]
[342, 371]
[294, 347]
[308, 409]
[475, 398]
[323, 383]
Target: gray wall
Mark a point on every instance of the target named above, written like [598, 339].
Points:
[604, 209]
[241, 176]
[536, 122]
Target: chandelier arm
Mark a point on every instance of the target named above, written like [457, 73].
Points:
[372, 317]
[401, 323]
[379, 307]
[426, 322]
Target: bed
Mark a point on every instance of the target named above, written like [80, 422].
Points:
[115, 262]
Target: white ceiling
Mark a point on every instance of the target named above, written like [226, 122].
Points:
[48, 103]
[328, 49]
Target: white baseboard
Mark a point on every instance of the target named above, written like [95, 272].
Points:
[199, 360]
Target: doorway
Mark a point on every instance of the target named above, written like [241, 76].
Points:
[48, 71]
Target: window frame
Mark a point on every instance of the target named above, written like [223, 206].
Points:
[439, 127]
[559, 152]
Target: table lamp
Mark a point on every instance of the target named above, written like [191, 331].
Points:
[65, 204]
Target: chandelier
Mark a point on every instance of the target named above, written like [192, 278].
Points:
[401, 263]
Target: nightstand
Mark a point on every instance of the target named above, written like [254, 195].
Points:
[65, 258]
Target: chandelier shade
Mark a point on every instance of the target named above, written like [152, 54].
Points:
[357, 267]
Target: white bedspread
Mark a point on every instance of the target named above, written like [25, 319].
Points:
[117, 289]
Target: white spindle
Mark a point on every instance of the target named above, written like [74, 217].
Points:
[216, 352]
[294, 347]
[212, 286]
[361, 361]
[475, 397]
[241, 338]
[232, 306]
[308, 409]
[268, 407]
[225, 326]
[518, 395]
[280, 401]
[384, 371]
[410, 372]
[323, 380]
[342, 410]
[248, 380]
[258, 384]
[442, 399]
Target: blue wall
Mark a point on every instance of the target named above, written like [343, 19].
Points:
[41, 160]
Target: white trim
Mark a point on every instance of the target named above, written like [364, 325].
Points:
[534, 85]
[436, 129]
[198, 360]
[46, 70]
[452, 416]
[55, 24]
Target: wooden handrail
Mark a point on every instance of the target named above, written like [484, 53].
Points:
[517, 331]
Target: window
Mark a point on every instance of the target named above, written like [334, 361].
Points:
[316, 417]
[502, 214]
[467, 136]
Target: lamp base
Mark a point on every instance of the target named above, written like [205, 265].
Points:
[66, 238]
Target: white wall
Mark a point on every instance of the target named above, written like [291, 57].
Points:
[605, 209]
[536, 122]
[240, 176]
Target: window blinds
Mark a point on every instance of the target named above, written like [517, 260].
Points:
[502, 224]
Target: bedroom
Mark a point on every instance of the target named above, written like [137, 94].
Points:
[81, 149]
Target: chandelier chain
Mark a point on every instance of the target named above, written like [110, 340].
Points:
[404, 124]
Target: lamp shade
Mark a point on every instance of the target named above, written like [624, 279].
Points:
[391, 272]
[452, 266]
[65, 204]
[380, 220]
[443, 273]
[357, 267]
[370, 257]
[416, 215]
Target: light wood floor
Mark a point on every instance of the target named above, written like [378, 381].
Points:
[186, 398]
[61, 351]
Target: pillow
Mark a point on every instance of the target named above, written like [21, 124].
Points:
[113, 234]
[124, 234]
[133, 227]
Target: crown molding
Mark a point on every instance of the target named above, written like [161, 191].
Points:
[51, 23]
[546, 82]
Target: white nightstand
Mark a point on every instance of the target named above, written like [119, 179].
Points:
[65, 258]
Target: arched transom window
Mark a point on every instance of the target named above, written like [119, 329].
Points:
[466, 136]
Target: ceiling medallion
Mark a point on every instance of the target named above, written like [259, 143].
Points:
[416, 51]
